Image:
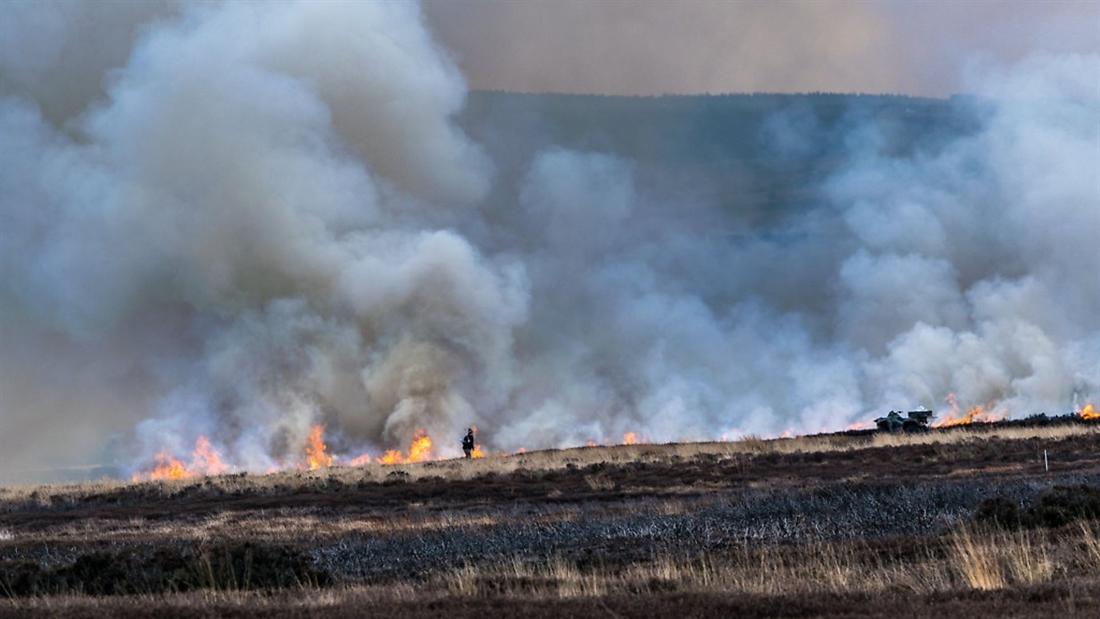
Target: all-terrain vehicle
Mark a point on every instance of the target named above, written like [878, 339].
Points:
[915, 421]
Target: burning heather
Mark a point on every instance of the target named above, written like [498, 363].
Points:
[226, 247]
[1089, 413]
[205, 460]
[419, 451]
[315, 449]
[976, 414]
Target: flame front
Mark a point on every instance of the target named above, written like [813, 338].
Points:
[205, 460]
[977, 414]
[419, 451]
[974, 414]
[167, 468]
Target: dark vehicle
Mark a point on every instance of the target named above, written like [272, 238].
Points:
[915, 421]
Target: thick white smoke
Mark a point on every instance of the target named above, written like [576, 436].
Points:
[262, 216]
[271, 183]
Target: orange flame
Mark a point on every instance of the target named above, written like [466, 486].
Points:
[977, 414]
[630, 438]
[1089, 413]
[205, 460]
[315, 449]
[419, 451]
[360, 460]
[421, 448]
[974, 414]
[167, 468]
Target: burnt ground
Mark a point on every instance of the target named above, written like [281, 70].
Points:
[1028, 603]
[320, 532]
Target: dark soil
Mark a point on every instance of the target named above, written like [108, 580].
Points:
[1062, 601]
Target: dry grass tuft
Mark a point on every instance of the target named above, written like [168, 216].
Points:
[599, 483]
[1090, 544]
[977, 561]
[998, 559]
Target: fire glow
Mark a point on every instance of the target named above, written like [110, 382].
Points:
[977, 414]
[1089, 413]
[205, 460]
[419, 451]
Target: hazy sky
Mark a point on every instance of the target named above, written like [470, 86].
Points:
[637, 47]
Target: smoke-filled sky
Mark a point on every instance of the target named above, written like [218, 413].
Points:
[239, 220]
[625, 47]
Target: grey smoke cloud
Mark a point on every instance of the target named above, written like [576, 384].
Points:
[629, 47]
[260, 217]
[59, 53]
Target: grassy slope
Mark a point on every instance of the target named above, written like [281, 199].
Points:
[863, 525]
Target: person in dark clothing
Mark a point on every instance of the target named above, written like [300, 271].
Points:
[468, 443]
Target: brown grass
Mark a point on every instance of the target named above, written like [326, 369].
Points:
[998, 559]
[979, 559]
[978, 562]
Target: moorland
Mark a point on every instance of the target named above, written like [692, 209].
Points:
[986, 520]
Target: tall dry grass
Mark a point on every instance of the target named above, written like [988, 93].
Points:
[972, 558]
[1090, 547]
[999, 559]
[977, 561]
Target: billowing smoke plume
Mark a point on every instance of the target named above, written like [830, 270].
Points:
[252, 224]
[263, 216]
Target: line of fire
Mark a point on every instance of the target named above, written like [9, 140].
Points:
[207, 460]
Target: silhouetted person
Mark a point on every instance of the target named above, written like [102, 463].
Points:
[468, 443]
